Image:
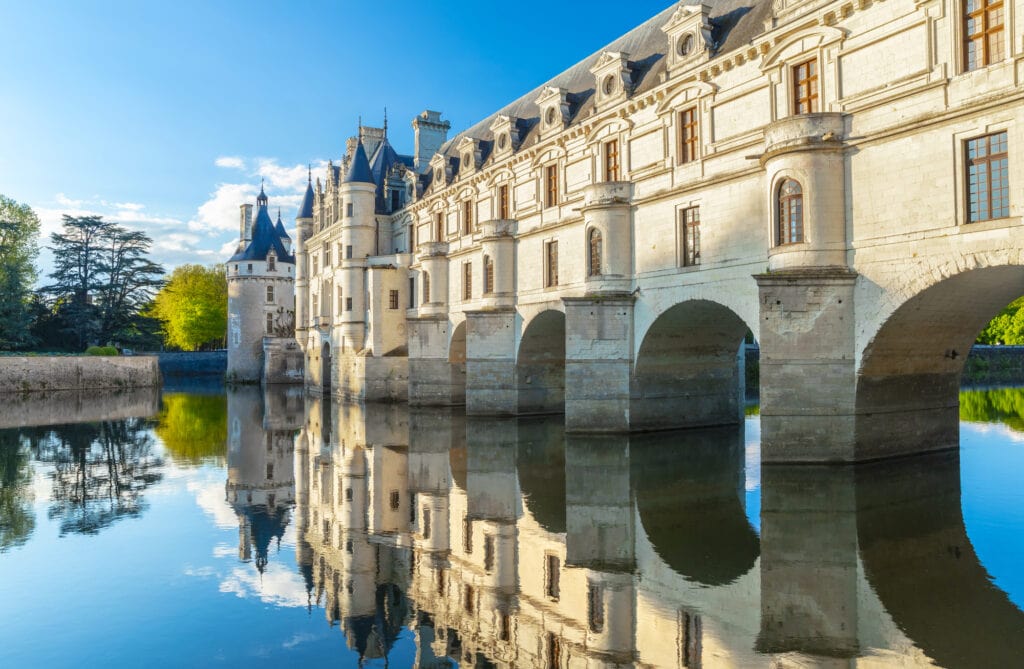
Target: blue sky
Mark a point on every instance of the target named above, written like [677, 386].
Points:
[164, 116]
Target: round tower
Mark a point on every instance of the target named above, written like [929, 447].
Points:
[261, 291]
[304, 230]
[359, 194]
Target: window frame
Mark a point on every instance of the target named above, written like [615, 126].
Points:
[270, 323]
[783, 211]
[467, 216]
[488, 275]
[689, 219]
[467, 281]
[983, 37]
[393, 299]
[813, 84]
[595, 252]
[439, 226]
[612, 160]
[271, 294]
[689, 135]
[551, 186]
[504, 202]
[551, 263]
[987, 160]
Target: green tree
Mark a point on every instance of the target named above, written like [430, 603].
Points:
[102, 279]
[17, 519]
[193, 307]
[1007, 327]
[19, 232]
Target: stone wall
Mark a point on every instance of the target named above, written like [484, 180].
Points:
[283, 361]
[30, 373]
[994, 365]
[207, 363]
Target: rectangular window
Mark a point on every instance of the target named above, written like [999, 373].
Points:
[412, 292]
[396, 500]
[393, 299]
[348, 252]
[271, 264]
[348, 304]
[488, 275]
[270, 294]
[468, 596]
[988, 179]
[341, 302]
[691, 638]
[249, 268]
[689, 229]
[327, 256]
[805, 87]
[467, 217]
[467, 281]
[467, 536]
[270, 323]
[316, 306]
[270, 471]
[554, 651]
[439, 227]
[489, 553]
[441, 574]
[595, 607]
[984, 42]
[552, 576]
[426, 523]
[551, 188]
[505, 627]
[689, 137]
[348, 210]
[611, 160]
[396, 200]
[551, 264]
[503, 203]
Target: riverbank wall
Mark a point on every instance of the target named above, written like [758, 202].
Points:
[204, 364]
[994, 365]
[22, 374]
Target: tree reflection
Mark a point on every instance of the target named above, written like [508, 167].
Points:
[193, 428]
[16, 517]
[1003, 405]
[100, 471]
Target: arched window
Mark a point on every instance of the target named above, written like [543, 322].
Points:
[270, 294]
[791, 212]
[594, 241]
[426, 287]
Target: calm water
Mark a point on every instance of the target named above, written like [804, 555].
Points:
[240, 529]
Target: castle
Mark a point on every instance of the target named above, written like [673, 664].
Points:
[829, 178]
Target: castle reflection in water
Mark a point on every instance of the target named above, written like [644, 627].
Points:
[506, 543]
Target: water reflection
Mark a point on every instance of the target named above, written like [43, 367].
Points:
[17, 519]
[994, 405]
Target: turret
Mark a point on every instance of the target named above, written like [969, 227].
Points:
[358, 197]
[304, 230]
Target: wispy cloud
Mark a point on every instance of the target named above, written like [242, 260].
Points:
[230, 162]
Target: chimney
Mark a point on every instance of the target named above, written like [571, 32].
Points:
[431, 134]
[245, 224]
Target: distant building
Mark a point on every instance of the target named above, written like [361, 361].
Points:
[261, 298]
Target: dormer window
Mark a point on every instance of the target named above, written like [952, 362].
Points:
[502, 141]
[689, 36]
[271, 263]
[439, 176]
[554, 103]
[613, 77]
[506, 135]
[609, 85]
[551, 116]
[685, 45]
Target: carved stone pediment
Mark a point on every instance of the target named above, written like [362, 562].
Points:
[689, 37]
[554, 110]
[613, 78]
[506, 135]
[470, 155]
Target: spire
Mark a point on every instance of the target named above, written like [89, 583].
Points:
[385, 123]
[306, 207]
[310, 174]
[359, 170]
[261, 199]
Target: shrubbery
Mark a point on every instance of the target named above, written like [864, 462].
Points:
[101, 350]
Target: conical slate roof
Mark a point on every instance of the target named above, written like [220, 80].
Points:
[264, 238]
[359, 170]
[306, 208]
[279, 228]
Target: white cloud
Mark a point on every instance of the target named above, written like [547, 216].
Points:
[220, 212]
[230, 162]
[292, 178]
[129, 206]
[210, 498]
[278, 585]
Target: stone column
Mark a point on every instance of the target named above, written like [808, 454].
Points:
[598, 362]
[491, 387]
[434, 379]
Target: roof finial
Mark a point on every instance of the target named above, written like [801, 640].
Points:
[385, 122]
[310, 174]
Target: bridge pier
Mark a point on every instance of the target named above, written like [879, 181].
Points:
[808, 365]
[491, 379]
[598, 362]
[434, 378]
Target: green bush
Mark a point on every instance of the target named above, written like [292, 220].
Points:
[101, 350]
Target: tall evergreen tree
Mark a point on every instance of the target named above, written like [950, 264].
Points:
[19, 232]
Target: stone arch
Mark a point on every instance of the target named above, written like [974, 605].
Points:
[908, 376]
[457, 363]
[688, 370]
[540, 364]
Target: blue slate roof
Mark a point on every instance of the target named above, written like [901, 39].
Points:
[306, 208]
[264, 238]
[359, 170]
[279, 228]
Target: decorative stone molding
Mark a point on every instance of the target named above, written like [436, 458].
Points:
[497, 228]
[554, 110]
[607, 193]
[506, 136]
[441, 168]
[433, 249]
[470, 156]
[803, 132]
[613, 78]
[689, 37]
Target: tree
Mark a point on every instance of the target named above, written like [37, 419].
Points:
[193, 428]
[1007, 327]
[193, 307]
[102, 279]
[19, 231]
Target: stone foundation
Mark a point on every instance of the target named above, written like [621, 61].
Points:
[32, 373]
[283, 362]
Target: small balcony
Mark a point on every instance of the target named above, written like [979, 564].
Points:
[608, 193]
[805, 131]
[433, 249]
[501, 227]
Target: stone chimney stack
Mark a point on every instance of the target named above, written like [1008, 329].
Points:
[245, 223]
[431, 134]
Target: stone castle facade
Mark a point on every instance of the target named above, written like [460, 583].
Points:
[261, 301]
[830, 178]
